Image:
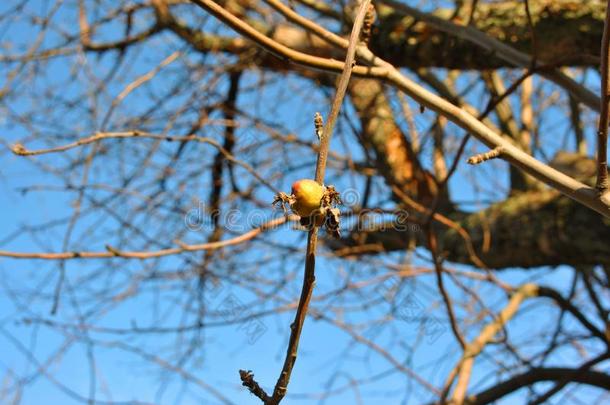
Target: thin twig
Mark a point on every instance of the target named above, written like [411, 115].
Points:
[602, 132]
[483, 157]
[21, 150]
[247, 380]
[310, 259]
[444, 221]
[432, 245]
[182, 247]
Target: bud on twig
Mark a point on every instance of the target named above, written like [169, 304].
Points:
[482, 157]
[318, 123]
[367, 24]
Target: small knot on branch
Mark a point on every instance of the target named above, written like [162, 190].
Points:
[247, 380]
[19, 149]
[482, 157]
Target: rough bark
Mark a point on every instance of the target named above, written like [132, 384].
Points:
[531, 229]
[568, 33]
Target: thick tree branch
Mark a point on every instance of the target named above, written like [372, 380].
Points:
[541, 222]
[567, 32]
[589, 377]
[499, 49]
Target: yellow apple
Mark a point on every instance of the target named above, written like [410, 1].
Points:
[308, 196]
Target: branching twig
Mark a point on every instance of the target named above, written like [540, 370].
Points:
[182, 247]
[247, 380]
[21, 150]
[576, 375]
[432, 245]
[562, 382]
[475, 347]
[444, 221]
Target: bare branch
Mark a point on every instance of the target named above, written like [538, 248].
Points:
[183, 247]
[602, 132]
